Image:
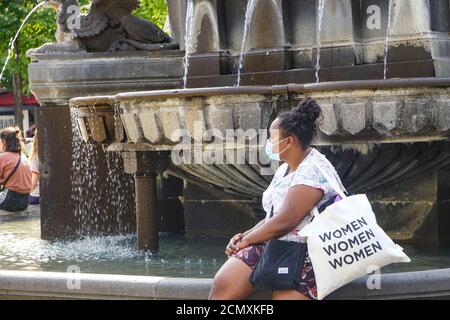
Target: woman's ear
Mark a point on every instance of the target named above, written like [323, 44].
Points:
[291, 140]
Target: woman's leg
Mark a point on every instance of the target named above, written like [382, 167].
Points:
[288, 295]
[232, 281]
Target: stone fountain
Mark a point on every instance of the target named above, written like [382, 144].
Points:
[388, 138]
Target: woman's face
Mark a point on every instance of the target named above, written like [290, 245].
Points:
[2, 146]
[280, 143]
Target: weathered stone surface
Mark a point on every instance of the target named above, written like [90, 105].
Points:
[150, 126]
[353, 114]
[97, 129]
[131, 127]
[96, 74]
[337, 24]
[353, 117]
[220, 118]
[249, 116]
[195, 123]
[329, 125]
[384, 116]
[171, 123]
[414, 116]
[442, 115]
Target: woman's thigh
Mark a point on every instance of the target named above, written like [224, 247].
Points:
[288, 295]
[232, 281]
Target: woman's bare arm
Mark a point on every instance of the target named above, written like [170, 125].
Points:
[299, 201]
[34, 180]
[255, 227]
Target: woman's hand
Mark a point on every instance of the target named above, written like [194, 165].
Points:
[232, 247]
[243, 243]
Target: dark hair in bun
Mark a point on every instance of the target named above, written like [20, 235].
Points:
[300, 121]
[12, 138]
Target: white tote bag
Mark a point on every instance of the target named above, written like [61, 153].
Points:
[346, 243]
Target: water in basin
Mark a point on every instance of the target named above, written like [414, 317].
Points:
[22, 249]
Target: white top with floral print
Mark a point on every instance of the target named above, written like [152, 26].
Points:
[306, 174]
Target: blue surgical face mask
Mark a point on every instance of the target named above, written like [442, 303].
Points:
[269, 150]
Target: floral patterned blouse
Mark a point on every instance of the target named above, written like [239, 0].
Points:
[306, 174]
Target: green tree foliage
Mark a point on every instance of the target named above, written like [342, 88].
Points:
[154, 10]
[41, 28]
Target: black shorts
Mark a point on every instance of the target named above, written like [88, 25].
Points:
[13, 201]
[250, 256]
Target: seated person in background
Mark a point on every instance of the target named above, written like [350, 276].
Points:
[34, 159]
[15, 171]
[30, 134]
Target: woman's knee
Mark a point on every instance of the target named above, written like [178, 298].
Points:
[220, 289]
[232, 281]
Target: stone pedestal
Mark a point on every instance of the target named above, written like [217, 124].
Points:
[90, 195]
[55, 154]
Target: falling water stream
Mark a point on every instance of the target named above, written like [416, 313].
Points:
[319, 21]
[188, 38]
[14, 39]
[388, 30]
[86, 187]
[247, 21]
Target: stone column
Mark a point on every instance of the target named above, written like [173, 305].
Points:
[147, 215]
[145, 166]
[55, 155]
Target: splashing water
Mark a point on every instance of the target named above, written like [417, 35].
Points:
[92, 217]
[388, 30]
[188, 38]
[12, 42]
[22, 249]
[319, 20]
[248, 15]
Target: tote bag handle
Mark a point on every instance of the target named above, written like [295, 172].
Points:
[339, 188]
[334, 185]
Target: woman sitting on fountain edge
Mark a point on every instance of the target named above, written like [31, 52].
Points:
[292, 194]
[15, 172]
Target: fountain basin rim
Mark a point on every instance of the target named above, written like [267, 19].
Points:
[92, 100]
[31, 284]
[158, 95]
